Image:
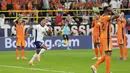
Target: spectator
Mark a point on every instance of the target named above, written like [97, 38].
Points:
[77, 19]
[35, 2]
[89, 11]
[74, 5]
[85, 19]
[80, 5]
[69, 19]
[99, 3]
[119, 3]
[114, 4]
[124, 4]
[58, 19]
[4, 5]
[83, 1]
[95, 8]
[30, 6]
[22, 2]
[87, 4]
[129, 4]
[67, 4]
[66, 7]
[46, 4]
[14, 2]
[56, 1]
[60, 7]
[17, 6]
[52, 7]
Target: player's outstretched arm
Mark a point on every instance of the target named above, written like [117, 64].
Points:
[15, 20]
[26, 21]
[116, 15]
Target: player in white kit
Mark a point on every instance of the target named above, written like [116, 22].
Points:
[41, 30]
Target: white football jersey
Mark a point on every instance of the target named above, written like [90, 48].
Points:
[40, 32]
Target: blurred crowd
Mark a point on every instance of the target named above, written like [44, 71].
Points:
[73, 17]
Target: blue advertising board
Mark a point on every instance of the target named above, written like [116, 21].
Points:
[75, 42]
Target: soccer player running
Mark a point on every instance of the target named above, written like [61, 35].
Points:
[65, 32]
[105, 37]
[41, 30]
[96, 35]
[20, 38]
[121, 37]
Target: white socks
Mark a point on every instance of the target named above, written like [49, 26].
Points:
[34, 56]
[41, 51]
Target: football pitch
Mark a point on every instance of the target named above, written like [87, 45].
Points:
[60, 61]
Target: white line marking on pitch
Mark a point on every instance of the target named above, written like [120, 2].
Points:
[18, 67]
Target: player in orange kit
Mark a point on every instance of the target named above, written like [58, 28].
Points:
[20, 38]
[121, 36]
[96, 35]
[106, 38]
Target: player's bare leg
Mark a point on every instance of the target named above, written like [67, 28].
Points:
[43, 49]
[33, 58]
[23, 54]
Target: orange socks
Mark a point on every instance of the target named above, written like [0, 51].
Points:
[107, 58]
[22, 52]
[121, 52]
[17, 53]
[101, 50]
[104, 58]
[99, 61]
[96, 52]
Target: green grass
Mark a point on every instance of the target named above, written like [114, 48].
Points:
[75, 61]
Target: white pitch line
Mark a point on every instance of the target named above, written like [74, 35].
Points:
[18, 67]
